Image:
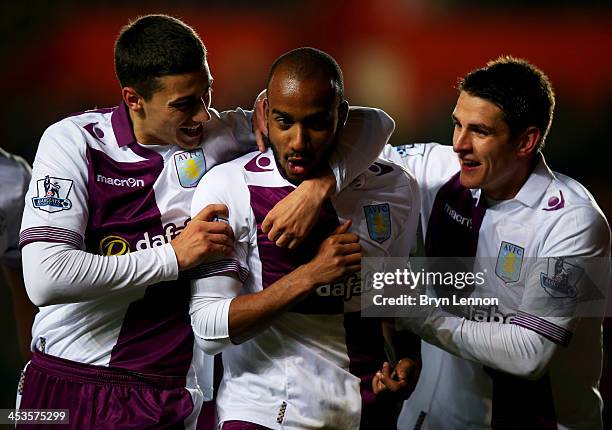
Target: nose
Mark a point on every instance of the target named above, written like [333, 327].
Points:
[462, 141]
[300, 138]
[202, 114]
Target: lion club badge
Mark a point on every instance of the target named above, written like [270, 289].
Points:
[561, 278]
[190, 167]
[378, 219]
[53, 194]
[509, 262]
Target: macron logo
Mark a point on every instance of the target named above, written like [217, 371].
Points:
[457, 217]
[130, 182]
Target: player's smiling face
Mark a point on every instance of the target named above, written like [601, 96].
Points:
[481, 139]
[176, 113]
[302, 116]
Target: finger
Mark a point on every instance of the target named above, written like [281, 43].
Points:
[377, 384]
[284, 240]
[352, 259]
[274, 234]
[218, 250]
[294, 243]
[343, 228]
[386, 370]
[349, 248]
[211, 210]
[267, 223]
[221, 239]
[346, 238]
[217, 227]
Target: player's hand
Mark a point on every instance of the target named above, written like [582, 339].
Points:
[338, 256]
[203, 240]
[400, 381]
[258, 121]
[290, 221]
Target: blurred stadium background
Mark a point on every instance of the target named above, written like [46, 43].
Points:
[401, 55]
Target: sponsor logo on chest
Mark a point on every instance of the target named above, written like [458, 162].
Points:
[457, 217]
[120, 182]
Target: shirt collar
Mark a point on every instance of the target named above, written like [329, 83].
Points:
[536, 185]
[532, 190]
[122, 126]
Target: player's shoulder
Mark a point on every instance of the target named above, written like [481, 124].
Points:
[78, 127]
[230, 172]
[13, 169]
[572, 212]
[386, 173]
[13, 162]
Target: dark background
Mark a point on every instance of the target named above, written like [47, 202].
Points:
[403, 56]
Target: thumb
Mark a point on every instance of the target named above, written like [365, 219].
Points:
[343, 228]
[211, 210]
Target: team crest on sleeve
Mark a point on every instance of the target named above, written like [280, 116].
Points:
[561, 278]
[412, 149]
[53, 194]
[378, 220]
[509, 262]
[190, 167]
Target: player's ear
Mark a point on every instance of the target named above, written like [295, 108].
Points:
[343, 109]
[131, 98]
[528, 141]
[266, 108]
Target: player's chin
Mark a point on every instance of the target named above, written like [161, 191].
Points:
[188, 142]
[469, 180]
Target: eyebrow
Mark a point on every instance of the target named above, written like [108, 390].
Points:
[281, 113]
[189, 97]
[322, 113]
[475, 127]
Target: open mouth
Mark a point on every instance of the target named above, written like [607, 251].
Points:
[469, 163]
[297, 165]
[195, 131]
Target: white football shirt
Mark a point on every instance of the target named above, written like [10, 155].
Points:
[526, 244]
[297, 373]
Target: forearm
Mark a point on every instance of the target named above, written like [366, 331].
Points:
[506, 347]
[359, 143]
[57, 273]
[249, 314]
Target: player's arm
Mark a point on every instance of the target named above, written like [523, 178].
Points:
[57, 269]
[359, 143]
[526, 346]
[220, 316]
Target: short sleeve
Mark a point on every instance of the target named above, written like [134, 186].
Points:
[214, 188]
[56, 201]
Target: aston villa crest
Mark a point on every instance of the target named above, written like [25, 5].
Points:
[190, 167]
[509, 262]
[378, 219]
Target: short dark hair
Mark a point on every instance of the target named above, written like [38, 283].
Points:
[305, 62]
[521, 90]
[153, 46]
